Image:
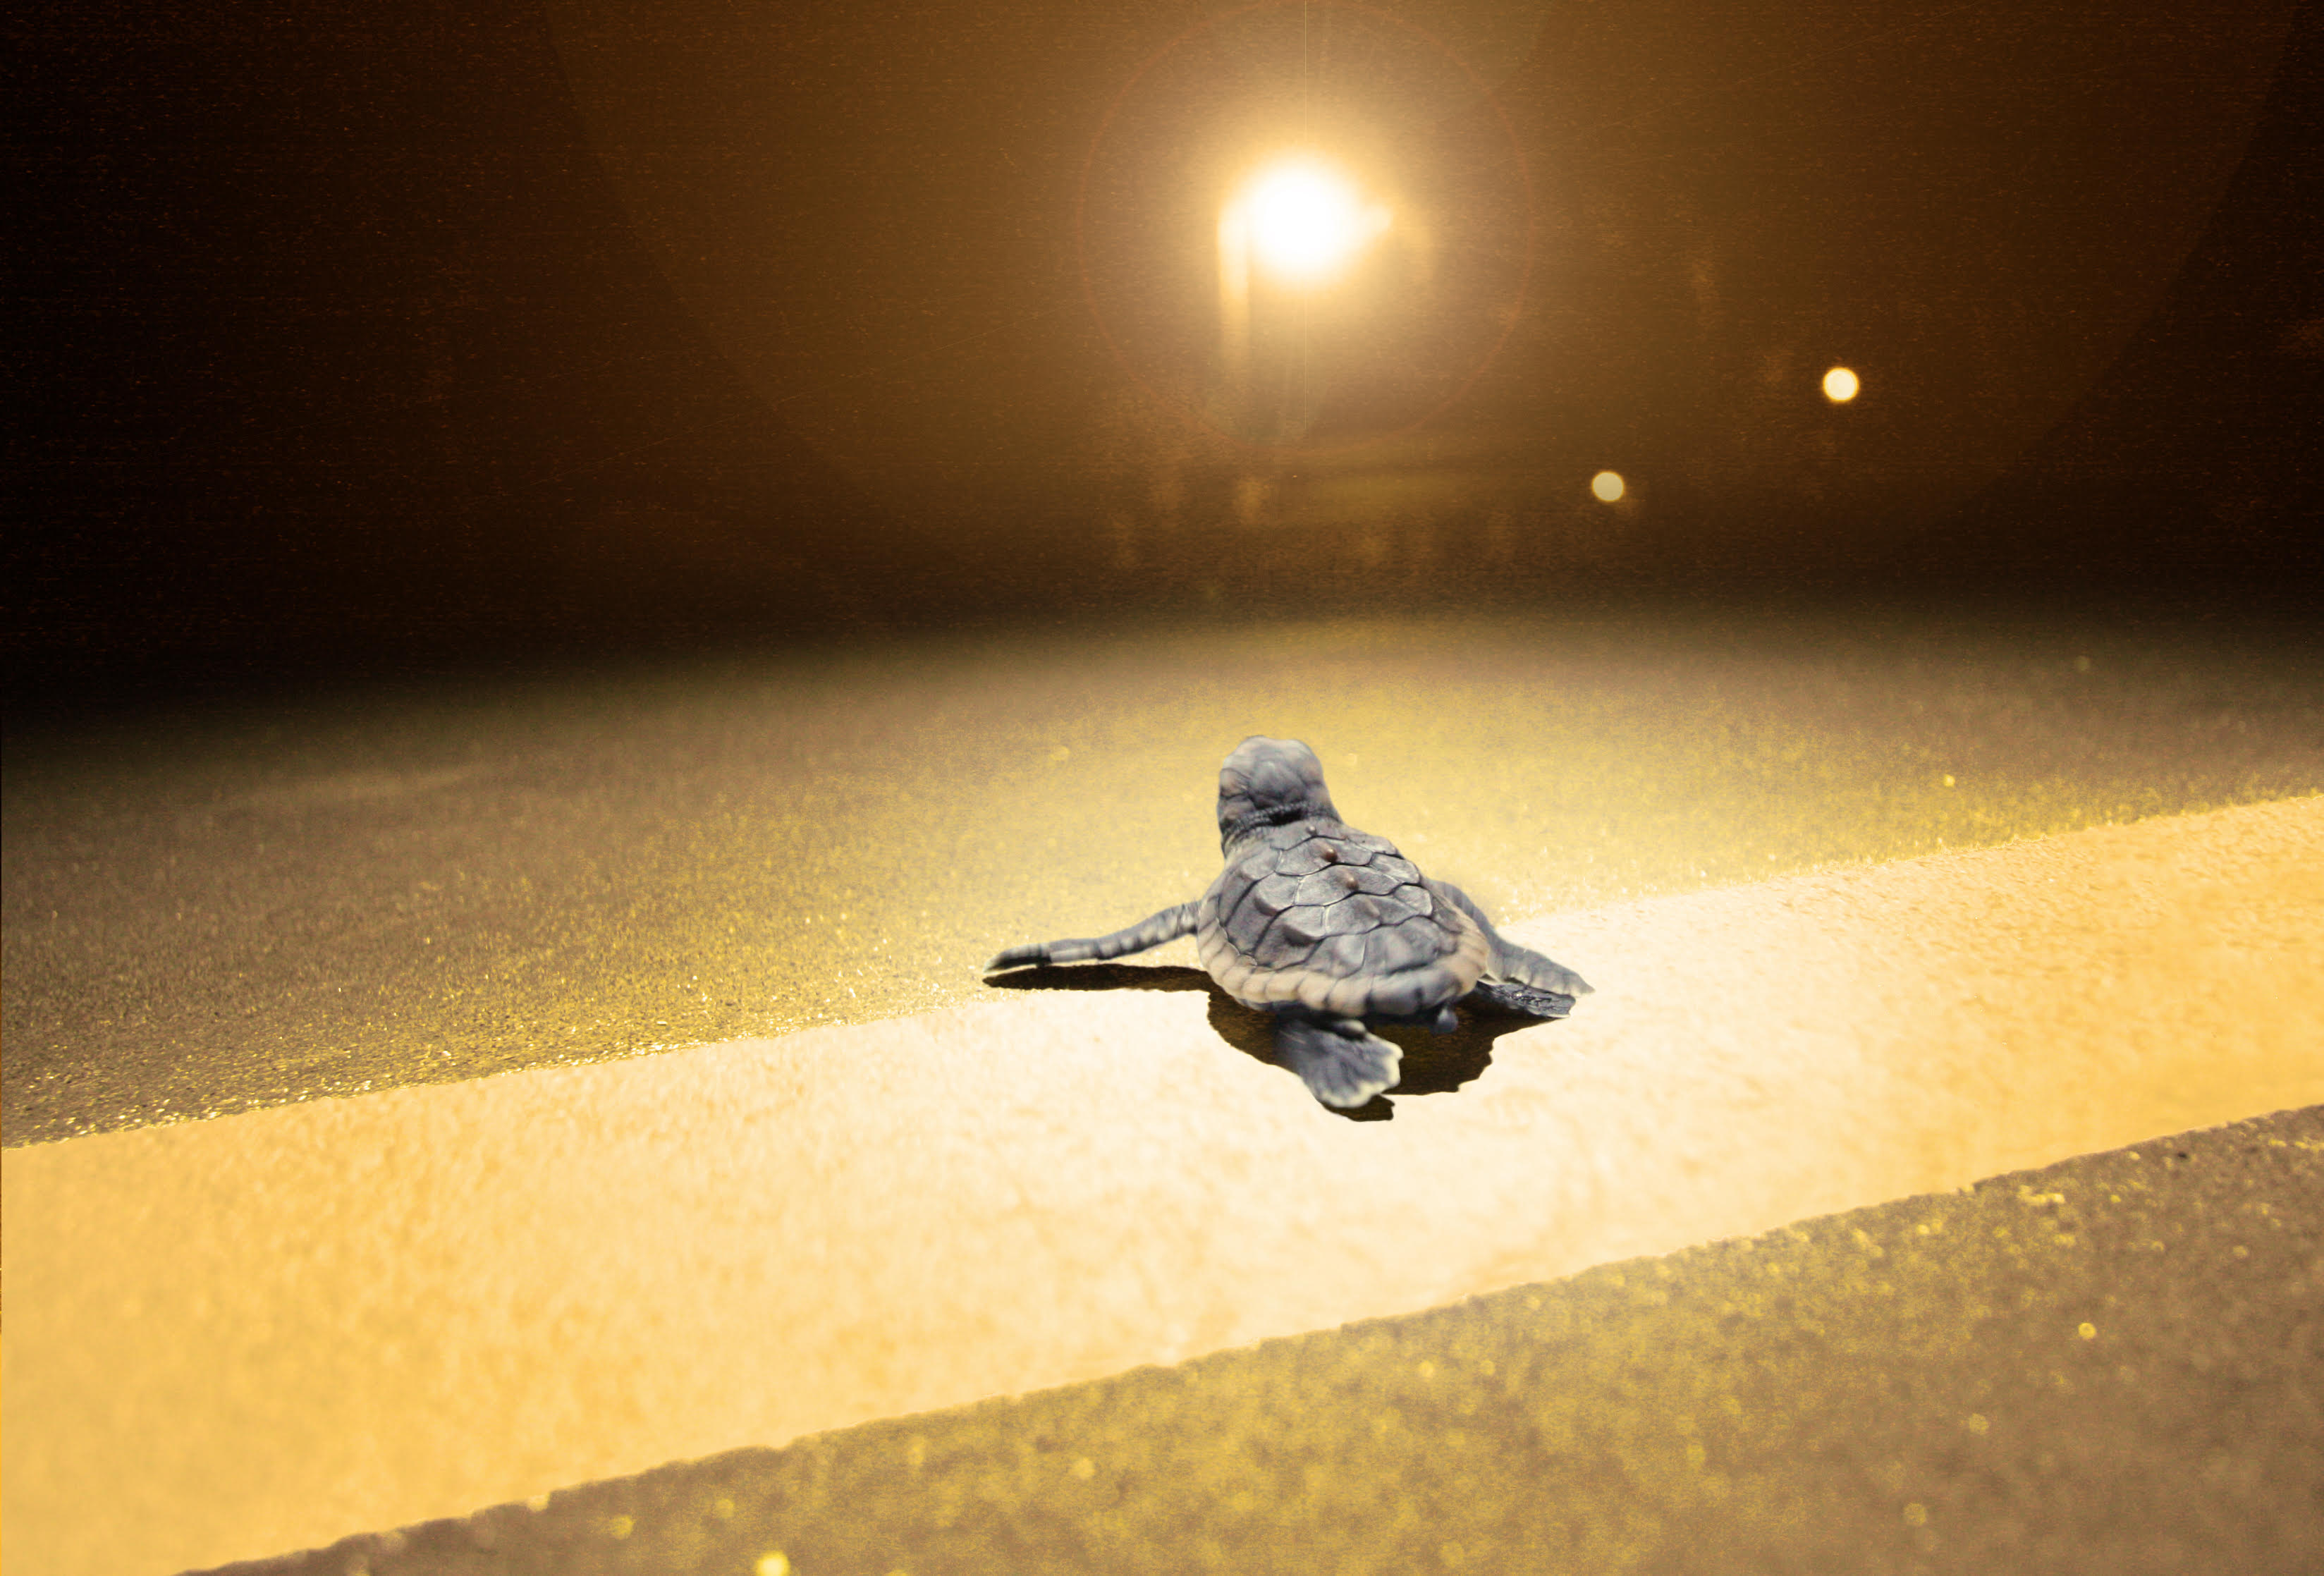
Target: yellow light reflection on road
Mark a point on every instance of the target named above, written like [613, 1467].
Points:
[1608, 486]
[1304, 220]
[1840, 385]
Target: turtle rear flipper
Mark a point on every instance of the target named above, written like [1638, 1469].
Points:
[1342, 1063]
[1521, 965]
[1515, 964]
[1167, 926]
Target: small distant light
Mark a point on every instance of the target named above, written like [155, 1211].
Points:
[1608, 485]
[1840, 385]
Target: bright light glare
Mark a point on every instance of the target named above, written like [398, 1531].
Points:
[1307, 221]
[1839, 385]
[1608, 486]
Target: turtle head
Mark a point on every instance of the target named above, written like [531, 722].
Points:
[1269, 782]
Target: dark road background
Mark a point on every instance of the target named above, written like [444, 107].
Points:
[503, 333]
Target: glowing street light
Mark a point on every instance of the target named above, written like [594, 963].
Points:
[1306, 222]
[1301, 221]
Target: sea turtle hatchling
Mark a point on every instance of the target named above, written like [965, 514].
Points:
[1325, 927]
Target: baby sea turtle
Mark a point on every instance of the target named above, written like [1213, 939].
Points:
[1325, 927]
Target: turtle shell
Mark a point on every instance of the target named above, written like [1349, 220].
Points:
[1316, 914]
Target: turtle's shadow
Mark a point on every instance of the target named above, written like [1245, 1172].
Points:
[1433, 1063]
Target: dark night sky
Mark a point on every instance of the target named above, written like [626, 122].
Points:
[364, 337]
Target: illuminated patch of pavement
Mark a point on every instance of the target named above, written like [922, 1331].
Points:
[205, 914]
[255, 1333]
[2113, 1364]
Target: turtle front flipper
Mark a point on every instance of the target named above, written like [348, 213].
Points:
[1342, 1063]
[1167, 926]
[1511, 965]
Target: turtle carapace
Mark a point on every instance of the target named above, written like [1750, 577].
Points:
[1329, 928]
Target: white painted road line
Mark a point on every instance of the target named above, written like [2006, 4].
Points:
[236, 1337]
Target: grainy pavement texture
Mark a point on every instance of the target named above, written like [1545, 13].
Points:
[1862, 935]
[209, 910]
[2107, 1365]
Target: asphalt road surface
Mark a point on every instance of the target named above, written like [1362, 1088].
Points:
[1839, 963]
[214, 910]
